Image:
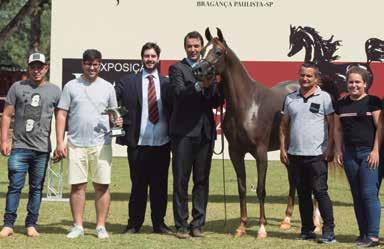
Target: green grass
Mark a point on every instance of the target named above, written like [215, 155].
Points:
[55, 217]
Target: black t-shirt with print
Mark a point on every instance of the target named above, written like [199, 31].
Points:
[357, 120]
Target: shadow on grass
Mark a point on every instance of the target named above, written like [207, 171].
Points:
[64, 226]
[218, 226]
[53, 228]
[215, 226]
[251, 198]
[118, 228]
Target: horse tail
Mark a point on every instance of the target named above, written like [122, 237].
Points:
[374, 49]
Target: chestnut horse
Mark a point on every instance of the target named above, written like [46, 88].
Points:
[251, 122]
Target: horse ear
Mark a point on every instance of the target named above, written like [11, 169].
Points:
[220, 35]
[208, 34]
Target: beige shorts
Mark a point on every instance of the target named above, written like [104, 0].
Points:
[98, 158]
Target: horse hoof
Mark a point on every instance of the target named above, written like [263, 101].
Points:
[239, 232]
[317, 229]
[285, 225]
[261, 235]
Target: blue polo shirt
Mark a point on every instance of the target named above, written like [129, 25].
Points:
[308, 126]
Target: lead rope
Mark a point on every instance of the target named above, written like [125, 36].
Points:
[222, 160]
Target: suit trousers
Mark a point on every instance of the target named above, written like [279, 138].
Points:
[312, 176]
[190, 154]
[148, 167]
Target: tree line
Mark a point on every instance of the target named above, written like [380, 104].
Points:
[24, 28]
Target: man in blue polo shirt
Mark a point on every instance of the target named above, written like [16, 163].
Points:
[306, 137]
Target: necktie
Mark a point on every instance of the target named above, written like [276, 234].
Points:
[153, 111]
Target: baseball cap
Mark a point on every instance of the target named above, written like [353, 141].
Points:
[36, 57]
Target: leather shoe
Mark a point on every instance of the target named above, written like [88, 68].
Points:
[307, 236]
[162, 229]
[182, 234]
[197, 233]
[130, 230]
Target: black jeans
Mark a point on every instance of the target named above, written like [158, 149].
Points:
[312, 176]
[190, 154]
[148, 167]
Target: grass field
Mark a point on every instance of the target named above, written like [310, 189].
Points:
[55, 217]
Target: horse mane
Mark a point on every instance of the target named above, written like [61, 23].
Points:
[329, 47]
[374, 49]
[328, 84]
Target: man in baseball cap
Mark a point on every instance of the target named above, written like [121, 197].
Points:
[32, 102]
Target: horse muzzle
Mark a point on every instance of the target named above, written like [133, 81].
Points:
[203, 70]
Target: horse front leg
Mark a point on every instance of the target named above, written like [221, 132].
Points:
[286, 223]
[262, 164]
[237, 159]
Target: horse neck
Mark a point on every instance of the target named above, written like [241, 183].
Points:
[238, 83]
[312, 43]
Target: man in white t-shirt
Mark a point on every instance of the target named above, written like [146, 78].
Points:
[81, 107]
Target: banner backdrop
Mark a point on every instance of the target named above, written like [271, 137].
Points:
[272, 38]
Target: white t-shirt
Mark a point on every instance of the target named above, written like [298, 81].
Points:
[86, 102]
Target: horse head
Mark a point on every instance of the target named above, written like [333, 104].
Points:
[317, 49]
[296, 40]
[212, 57]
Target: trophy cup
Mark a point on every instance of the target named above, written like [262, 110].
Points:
[116, 113]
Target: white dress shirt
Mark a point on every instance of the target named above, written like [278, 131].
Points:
[152, 134]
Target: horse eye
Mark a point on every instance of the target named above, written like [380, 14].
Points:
[218, 53]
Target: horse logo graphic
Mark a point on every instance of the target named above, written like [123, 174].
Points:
[322, 52]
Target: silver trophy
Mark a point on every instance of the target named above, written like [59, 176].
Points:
[116, 113]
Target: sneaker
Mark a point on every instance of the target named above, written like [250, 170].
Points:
[102, 233]
[76, 231]
[327, 239]
[307, 236]
[370, 243]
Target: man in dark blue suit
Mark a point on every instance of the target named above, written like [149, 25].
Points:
[193, 132]
[146, 135]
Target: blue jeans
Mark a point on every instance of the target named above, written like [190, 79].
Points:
[20, 162]
[365, 185]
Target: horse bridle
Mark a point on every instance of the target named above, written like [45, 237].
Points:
[207, 69]
[220, 48]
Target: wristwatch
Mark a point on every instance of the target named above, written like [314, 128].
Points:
[198, 87]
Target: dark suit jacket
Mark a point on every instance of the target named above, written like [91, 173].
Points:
[129, 94]
[192, 110]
